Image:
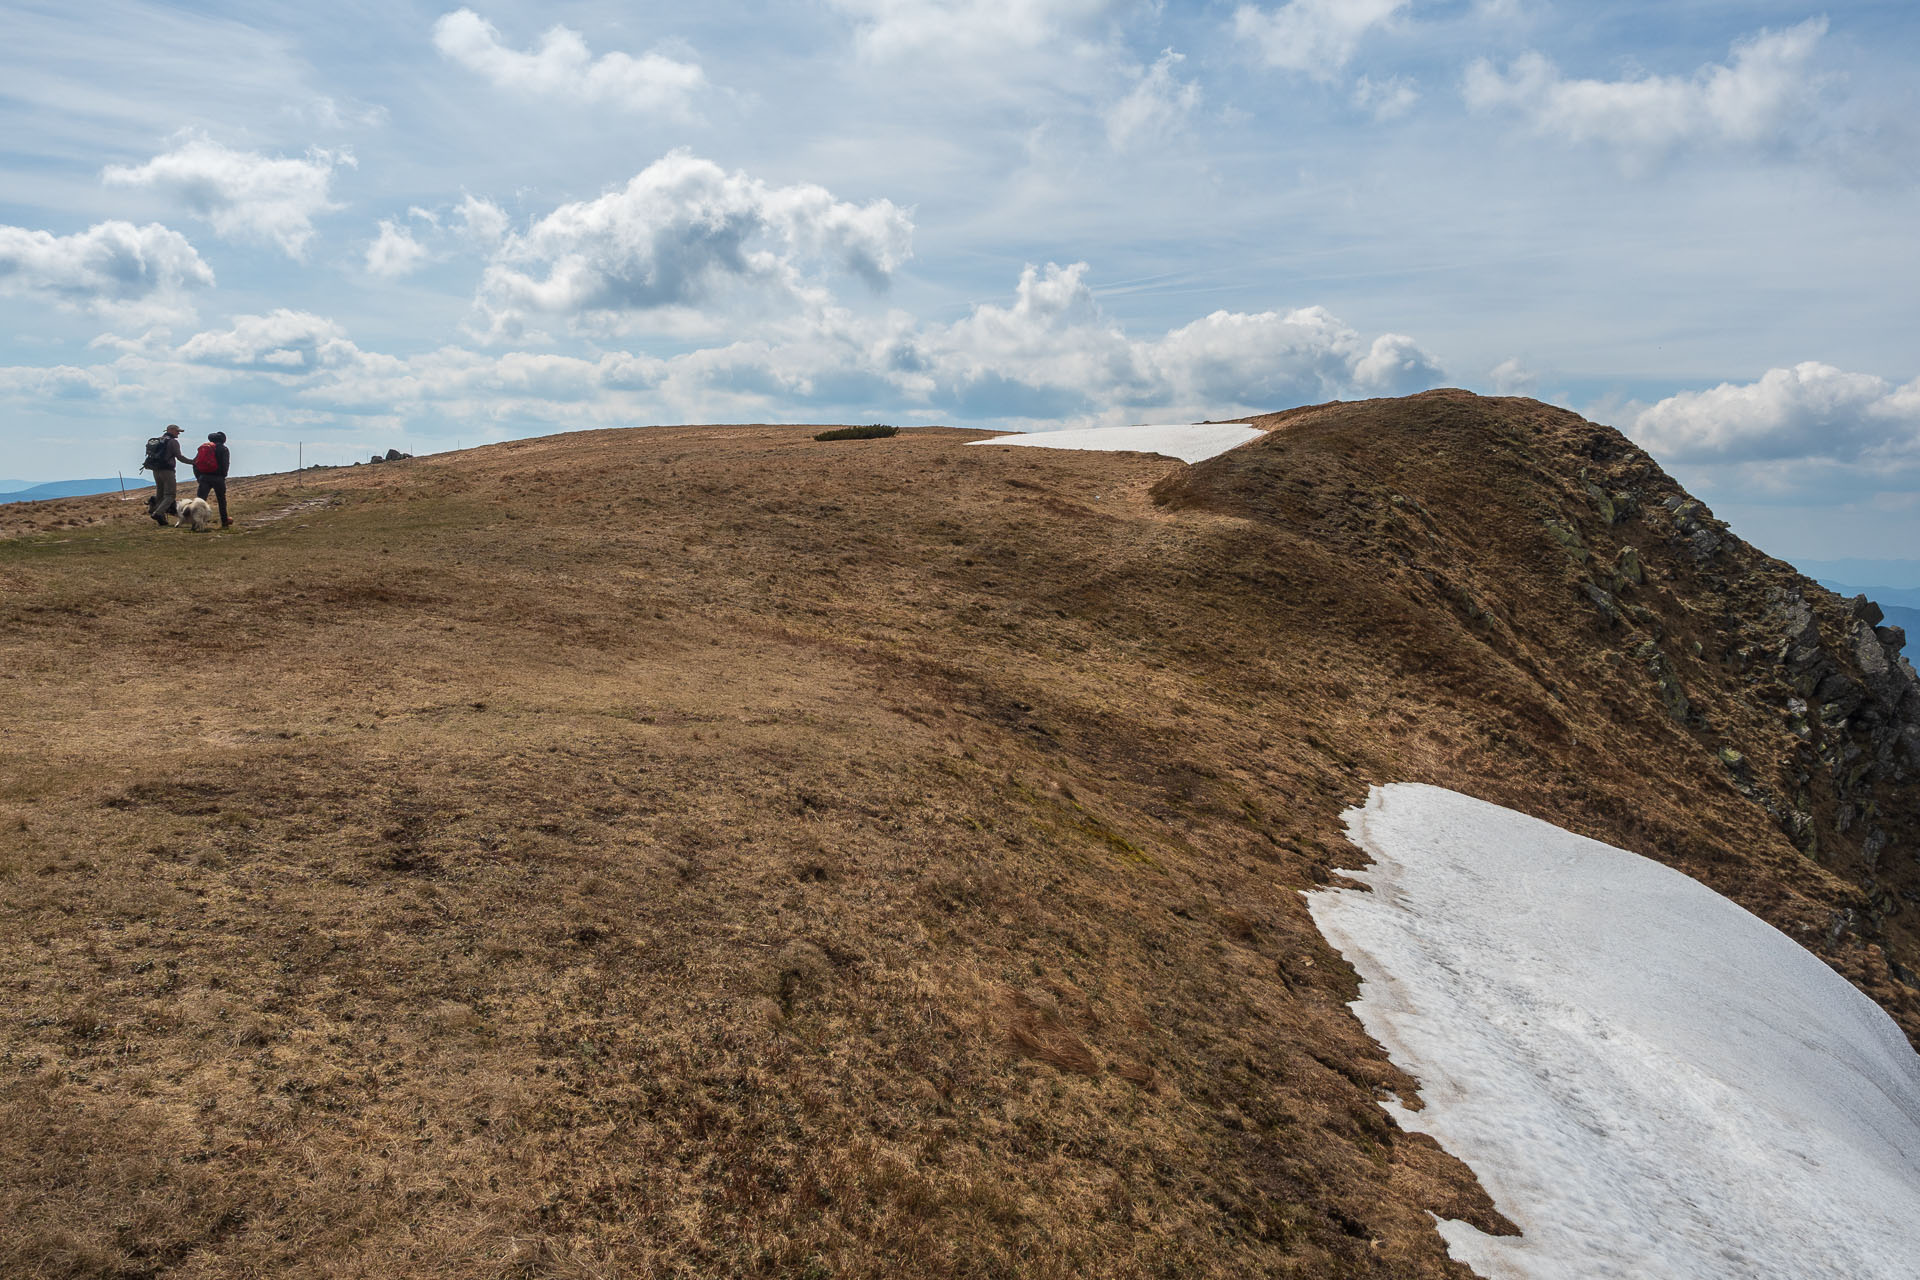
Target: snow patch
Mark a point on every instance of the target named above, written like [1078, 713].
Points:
[1649, 1081]
[1187, 441]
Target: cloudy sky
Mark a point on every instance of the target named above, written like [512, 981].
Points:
[361, 225]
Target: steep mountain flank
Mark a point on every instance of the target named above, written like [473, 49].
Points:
[709, 851]
[1650, 646]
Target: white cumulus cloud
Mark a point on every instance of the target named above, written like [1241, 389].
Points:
[1751, 99]
[474, 225]
[281, 342]
[1811, 411]
[1316, 38]
[1277, 358]
[110, 268]
[1158, 103]
[482, 222]
[1511, 378]
[395, 252]
[54, 382]
[563, 67]
[894, 28]
[1054, 354]
[242, 194]
[682, 233]
[1048, 357]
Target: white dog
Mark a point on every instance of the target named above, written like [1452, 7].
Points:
[194, 513]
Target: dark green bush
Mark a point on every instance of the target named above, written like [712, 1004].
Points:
[874, 432]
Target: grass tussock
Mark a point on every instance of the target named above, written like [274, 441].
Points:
[877, 431]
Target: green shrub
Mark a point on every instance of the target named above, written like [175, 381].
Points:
[874, 432]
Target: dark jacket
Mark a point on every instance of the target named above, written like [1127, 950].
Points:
[222, 460]
[172, 455]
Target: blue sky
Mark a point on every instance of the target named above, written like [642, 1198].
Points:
[363, 226]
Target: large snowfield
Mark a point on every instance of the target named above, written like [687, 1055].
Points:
[1649, 1080]
[1187, 441]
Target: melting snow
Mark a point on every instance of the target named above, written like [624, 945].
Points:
[1650, 1081]
[1187, 441]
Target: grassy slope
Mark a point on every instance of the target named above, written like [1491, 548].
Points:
[712, 852]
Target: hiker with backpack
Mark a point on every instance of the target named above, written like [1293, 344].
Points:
[163, 453]
[210, 462]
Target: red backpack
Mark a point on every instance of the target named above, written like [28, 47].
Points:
[205, 460]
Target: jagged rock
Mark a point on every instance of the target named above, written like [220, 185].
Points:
[1672, 695]
[1800, 827]
[1894, 638]
[1702, 543]
[1627, 566]
[1699, 533]
[1887, 682]
[1569, 539]
[1861, 609]
[1603, 601]
[1809, 657]
[1796, 621]
[1839, 697]
[1873, 845]
[1602, 503]
[394, 455]
[1807, 680]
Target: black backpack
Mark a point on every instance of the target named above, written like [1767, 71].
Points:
[156, 454]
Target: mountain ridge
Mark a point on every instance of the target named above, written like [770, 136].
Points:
[706, 849]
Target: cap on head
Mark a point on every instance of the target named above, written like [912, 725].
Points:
[172, 430]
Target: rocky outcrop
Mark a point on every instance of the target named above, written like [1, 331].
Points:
[1842, 777]
[1624, 612]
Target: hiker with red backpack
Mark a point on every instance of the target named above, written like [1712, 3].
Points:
[163, 452]
[210, 463]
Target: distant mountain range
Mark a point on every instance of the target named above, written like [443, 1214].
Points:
[1898, 575]
[20, 491]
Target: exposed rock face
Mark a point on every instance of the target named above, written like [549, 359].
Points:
[1793, 697]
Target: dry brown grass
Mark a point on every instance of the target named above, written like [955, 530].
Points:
[705, 852]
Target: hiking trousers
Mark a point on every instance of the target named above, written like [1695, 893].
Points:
[216, 485]
[161, 504]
